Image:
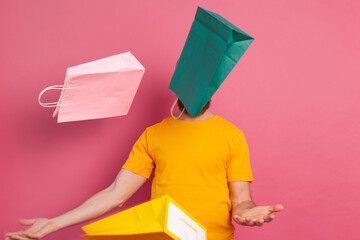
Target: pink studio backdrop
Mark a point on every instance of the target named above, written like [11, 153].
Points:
[295, 95]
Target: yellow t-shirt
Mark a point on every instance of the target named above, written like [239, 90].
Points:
[193, 162]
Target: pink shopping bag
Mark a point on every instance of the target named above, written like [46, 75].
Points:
[98, 89]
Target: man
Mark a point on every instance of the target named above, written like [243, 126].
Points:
[202, 162]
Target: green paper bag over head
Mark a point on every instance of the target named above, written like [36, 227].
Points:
[212, 49]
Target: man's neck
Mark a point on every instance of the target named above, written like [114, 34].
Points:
[206, 115]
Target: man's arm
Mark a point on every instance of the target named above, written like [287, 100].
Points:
[244, 210]
[124, 186]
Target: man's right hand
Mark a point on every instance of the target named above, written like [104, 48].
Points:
[40, 227]
[124, 186]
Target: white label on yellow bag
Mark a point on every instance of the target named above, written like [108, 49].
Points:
[183, 226]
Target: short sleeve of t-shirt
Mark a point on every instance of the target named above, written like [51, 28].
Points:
[140, 160]
[238, 165]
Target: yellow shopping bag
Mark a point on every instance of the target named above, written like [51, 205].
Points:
[160, 219]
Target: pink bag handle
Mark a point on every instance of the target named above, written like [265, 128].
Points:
[51, 104]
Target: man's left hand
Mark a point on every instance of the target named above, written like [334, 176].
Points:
[257, 215]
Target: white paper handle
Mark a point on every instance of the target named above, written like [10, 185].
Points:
[172, 109]
[51, 104]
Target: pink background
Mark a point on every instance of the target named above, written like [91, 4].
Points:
[295, 95]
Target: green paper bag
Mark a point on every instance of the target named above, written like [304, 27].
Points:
[212, 49]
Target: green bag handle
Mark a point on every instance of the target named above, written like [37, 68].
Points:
[172, 109]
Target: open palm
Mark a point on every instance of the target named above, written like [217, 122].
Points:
[256, 216]
[40, 227]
